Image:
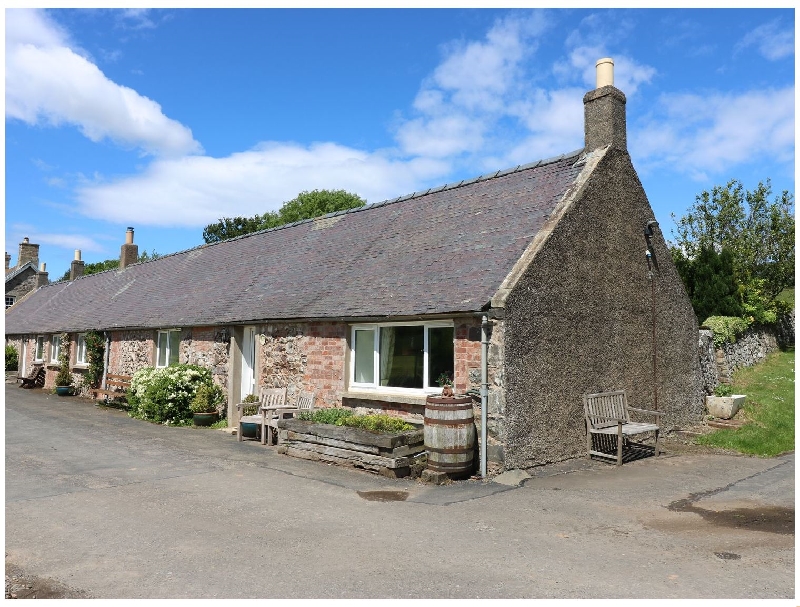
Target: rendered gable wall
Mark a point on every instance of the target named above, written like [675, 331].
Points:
[579, 320]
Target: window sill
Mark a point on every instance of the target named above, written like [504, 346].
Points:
[80, 366]
[387, 397]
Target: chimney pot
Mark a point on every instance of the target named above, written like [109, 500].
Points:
[76, 267]
[604, 111]
[28, 252]
[605, 72]
[41, 276]
[129, 252]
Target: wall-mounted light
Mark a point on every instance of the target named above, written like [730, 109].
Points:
[648, 229]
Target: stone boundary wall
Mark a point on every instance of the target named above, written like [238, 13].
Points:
[718, 364]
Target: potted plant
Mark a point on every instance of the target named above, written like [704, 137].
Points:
[724, 403]
[64, 377]
[250, 430]
[204, 405]
[446, 384]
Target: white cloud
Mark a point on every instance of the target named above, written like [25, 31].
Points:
[471, 89]
[28, 26]
[441, 136]
[67, 241]
[135, 18]
[629, 74]
[772, 41]
[197, 190]
[712, 133]
[64, 241]
[47, 82]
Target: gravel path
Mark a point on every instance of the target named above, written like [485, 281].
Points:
[22, 586]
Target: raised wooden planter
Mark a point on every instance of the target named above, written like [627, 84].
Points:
[395, 455]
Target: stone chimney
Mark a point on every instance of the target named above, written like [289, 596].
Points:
[129, 253]
[41, 276]
[27, 252]
[8, 261]
[76, 267]
[604, 111]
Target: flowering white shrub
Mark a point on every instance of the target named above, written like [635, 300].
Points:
[164, 395]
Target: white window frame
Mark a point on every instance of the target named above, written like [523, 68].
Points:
[80, 349]
[375, 386]
[38, 349]
[10, 300]
[167, 350]
[55, 348]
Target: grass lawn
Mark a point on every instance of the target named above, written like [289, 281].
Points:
[769, 409]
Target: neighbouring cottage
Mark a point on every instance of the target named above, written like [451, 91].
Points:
[27, 275]
[369, 307]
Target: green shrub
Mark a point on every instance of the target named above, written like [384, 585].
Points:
[95, 350]
[338, 416]
[12, 358]
[164, 395]
[252, 407]
[327, 416]
[726, 328]
[377, 423]
[206, 399]
[64, 376]
[723, 390]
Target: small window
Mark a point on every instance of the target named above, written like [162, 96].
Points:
[80, 351]
[401, 357]
[39, 352]
[10, 301]
[55, 348]
[168, 348]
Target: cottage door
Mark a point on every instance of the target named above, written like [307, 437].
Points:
[248, 361]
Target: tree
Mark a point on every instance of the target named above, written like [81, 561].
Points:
[759, 233]
[306, 205]
[711, 284]
[110, 264]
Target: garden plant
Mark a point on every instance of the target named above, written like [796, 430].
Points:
[165, 395]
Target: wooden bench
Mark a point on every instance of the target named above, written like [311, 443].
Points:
[120, 382]
[608, 414]
[35, 378]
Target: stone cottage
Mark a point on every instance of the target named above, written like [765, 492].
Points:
[559, 262]
[27, 275]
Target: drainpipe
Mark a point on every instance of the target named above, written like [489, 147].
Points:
[484, 389]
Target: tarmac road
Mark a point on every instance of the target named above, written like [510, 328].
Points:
[100, 505]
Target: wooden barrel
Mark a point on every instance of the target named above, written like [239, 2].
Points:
[450, 435]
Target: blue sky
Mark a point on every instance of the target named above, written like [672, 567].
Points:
[166, 120]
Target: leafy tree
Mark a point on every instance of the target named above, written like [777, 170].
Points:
[110, 264]
[306, 205]
[231, 227]
[711, 284]
[758, 231]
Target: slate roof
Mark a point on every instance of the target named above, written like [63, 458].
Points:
[446, 250]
